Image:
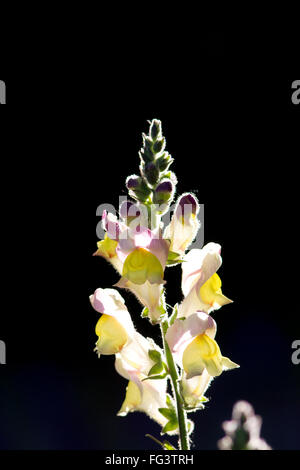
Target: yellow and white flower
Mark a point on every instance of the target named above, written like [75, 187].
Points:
[201, 284]
[139, 255]
[194, 348]
[133, 363]
[184, 224]
[117, 336]
[115, 328]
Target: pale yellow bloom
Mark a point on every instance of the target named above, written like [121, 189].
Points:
[201, 285]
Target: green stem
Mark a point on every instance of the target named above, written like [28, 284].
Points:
[181, 414]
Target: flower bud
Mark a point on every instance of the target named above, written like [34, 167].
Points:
[138, 188]
[159, 145]
[133, 182]
[164, 161]
[155, 129]
[164, 192]
[151, 173]
[187, 206]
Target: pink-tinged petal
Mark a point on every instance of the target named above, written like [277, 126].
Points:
[125, 246]
[113, 227]
[142, 237]
[160, 248]
[187, 206]
[200, 265]
[139, 237]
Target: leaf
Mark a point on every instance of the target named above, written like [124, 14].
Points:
[165, 444]
[170, 414]
[156, 369]
[169, 402]
[168, 446]
[154, 355]
[167, 413]
[170, 426]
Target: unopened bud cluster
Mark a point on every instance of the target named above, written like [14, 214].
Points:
[156, 184]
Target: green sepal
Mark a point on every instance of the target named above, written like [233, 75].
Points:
[174, 314]
[145, 312]
[164, 162]
[156, 377]
[170, 414]
[167, 413]
[174, 258]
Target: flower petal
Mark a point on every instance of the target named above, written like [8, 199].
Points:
[184, 224]
[200, 265]
[133, 399]
[204, 352]
[193, 389]
[112, 336]
[211, 294]
[115, 328]
[150, 295]
[141, 266]
[182, 333]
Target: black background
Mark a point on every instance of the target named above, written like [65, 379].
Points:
[233, 132]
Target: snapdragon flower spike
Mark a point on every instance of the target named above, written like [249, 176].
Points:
[184, 224]
[201, 285]
[194, 348]
[133, 363]
[115, 328]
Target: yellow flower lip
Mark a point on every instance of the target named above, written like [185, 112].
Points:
[112, 336]
[106, 248]
[204, 353]
[141, 266]
[211, 293]
[132, 400]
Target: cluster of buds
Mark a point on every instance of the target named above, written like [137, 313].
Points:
[243, 431]
[191, 357]
[156, 184]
